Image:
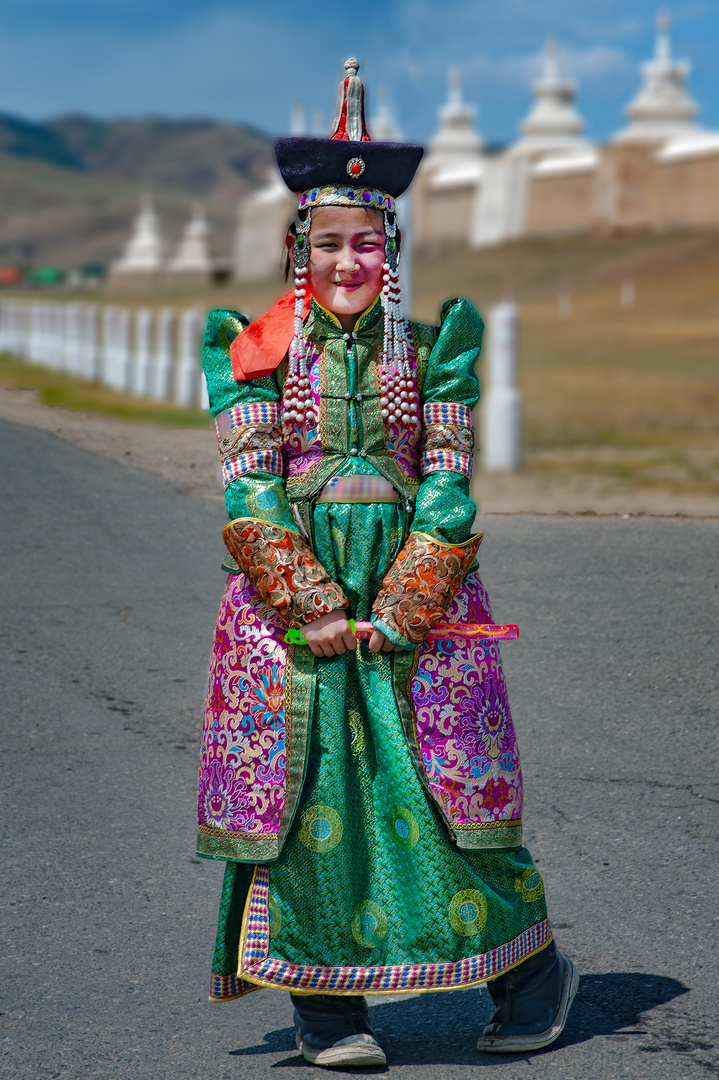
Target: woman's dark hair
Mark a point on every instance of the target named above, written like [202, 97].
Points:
[292, 231]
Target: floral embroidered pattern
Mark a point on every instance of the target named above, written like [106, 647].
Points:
[460, 729]
[421, 584]
[448, 438]
[281, 566]
[249, 439]
[243, 758]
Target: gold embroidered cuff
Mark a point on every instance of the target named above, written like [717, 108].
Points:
[284, 571]
[421, 584]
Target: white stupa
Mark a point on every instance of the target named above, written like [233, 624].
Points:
[263, 218]
[662, 109]
[193, 257]
[553, 125]
[145, 250]
[382, 125]
[456, 139]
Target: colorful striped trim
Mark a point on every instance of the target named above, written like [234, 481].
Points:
[267, 461]
[447, 412]
[334, 195]
[229, 987]
[257, 966]
[446, 461]
[256, 412]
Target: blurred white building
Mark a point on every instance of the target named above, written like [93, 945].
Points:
[143, 258]
[193, 263]
[663, 108]
[451, 172]
[659, 171]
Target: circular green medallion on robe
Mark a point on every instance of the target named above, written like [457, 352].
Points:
[369, 925]
[320, 828]
[468, 912]
[403, 827]
[530, 885]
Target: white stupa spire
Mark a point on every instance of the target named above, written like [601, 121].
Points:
[145, 250]
[663, 108]
[382, 124]
[193, 255]
[457, 136]
[298, 118]
[553, 124]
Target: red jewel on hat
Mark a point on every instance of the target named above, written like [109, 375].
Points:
[355, 166]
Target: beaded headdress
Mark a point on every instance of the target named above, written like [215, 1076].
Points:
[348, 169]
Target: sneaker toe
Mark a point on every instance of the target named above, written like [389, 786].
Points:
[358, 1050]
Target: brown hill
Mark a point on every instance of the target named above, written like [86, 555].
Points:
[69, 188]
[201, 157]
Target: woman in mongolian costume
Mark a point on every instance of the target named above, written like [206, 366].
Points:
[366, 796]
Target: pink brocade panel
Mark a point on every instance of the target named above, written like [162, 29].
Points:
[464, 727]
[243, 757]
[465, 733]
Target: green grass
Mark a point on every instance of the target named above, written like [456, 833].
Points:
[56, 388]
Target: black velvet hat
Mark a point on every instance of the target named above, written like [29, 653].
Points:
[347, 169]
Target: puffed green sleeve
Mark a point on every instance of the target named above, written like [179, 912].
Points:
[249, 436]
[444, 509]
[262, 537]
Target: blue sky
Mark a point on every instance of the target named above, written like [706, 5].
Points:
[248, 62]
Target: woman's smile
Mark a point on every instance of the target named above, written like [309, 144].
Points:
[347, 255]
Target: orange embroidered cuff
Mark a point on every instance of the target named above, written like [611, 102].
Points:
[421, 584]
[283, 569]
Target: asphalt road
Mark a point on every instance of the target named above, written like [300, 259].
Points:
[110, 583]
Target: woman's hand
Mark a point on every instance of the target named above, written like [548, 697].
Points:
[330, 635]
[379, 643]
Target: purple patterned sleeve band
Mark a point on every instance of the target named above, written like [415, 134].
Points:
[267, 461]
[249, 439]
[447, 412]
[447, 438]
[255, 412]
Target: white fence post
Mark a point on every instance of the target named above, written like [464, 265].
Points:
[141, 369]
[503, 410]
[123, 356]
[87, 341]
[105, 344]
[71, 352]
[55, 339]
[117, 344]
[151, 354]
[162, 384]
[188, 368]
[33, 348]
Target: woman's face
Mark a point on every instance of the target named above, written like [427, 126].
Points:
[347, 256]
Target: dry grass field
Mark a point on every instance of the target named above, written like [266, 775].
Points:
[626, 398]
[621, 403]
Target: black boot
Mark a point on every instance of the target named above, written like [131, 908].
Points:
[532, 1002]
[335, 1031]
